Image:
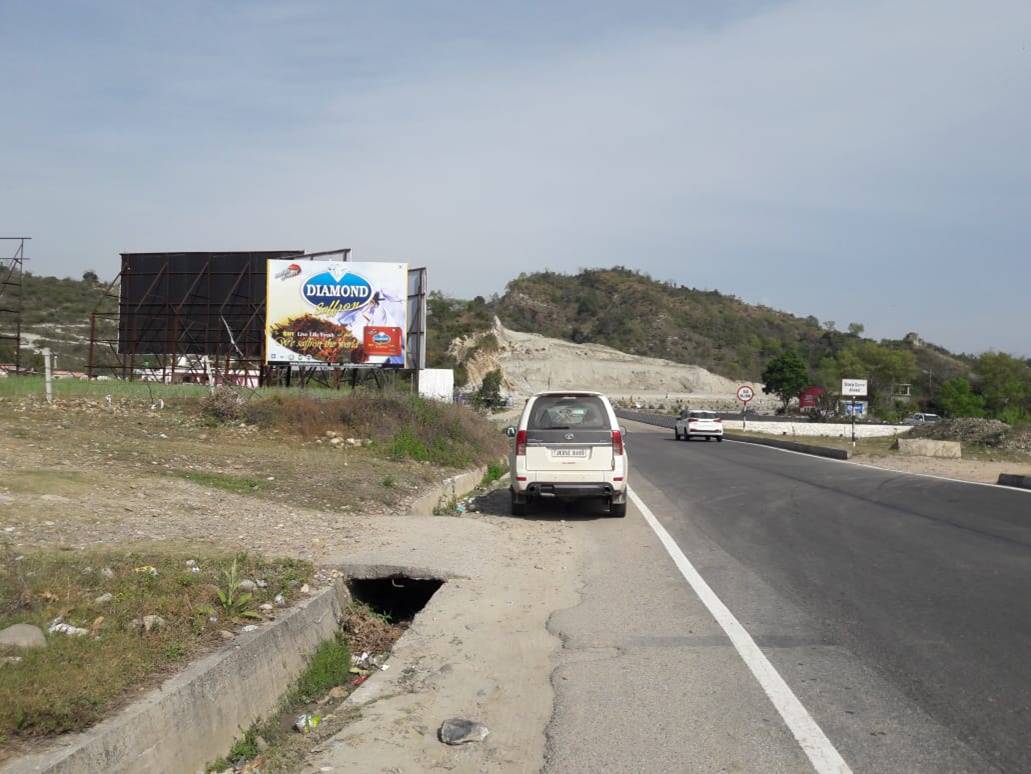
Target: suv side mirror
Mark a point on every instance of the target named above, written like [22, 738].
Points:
[510, 431]
[622, 431]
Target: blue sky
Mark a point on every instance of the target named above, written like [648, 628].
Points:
[861, 162]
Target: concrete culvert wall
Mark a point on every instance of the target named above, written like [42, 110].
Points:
[397, 596]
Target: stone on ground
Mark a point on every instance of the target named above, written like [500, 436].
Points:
[23, 636]
[461, 731]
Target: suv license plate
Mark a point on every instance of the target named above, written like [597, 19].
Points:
[569, 452]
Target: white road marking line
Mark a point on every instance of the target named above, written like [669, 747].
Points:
[884, 470]
[821, 753]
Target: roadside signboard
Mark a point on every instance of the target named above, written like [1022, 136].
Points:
[854, 408]
[744, 394]
[341, 313]
[853, 388]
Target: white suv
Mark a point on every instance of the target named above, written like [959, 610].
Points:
[568, 445]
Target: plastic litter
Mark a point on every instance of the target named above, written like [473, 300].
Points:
[307, 723]
[57, 626]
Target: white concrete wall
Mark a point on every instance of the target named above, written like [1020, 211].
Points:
[825, 429]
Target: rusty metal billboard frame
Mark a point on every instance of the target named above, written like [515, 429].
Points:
[12, 274]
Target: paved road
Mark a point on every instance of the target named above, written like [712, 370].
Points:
[897, 608]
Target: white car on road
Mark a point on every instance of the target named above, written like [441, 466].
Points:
[568, 445]
[694, 423]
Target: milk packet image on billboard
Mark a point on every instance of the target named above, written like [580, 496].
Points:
[336, 313]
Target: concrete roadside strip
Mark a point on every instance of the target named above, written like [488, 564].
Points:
[479, 650]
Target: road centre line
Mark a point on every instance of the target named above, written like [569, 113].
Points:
[814, 743]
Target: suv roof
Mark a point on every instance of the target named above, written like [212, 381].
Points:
[568, 392]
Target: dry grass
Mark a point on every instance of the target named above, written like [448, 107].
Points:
[75, 681]
[401, 425]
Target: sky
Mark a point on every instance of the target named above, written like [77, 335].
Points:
[866, 162]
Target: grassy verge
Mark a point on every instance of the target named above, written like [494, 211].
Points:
[399, 426]
[77, 680]
[495, 471]
[223, 481]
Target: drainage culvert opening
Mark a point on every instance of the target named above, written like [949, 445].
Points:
[398, 597]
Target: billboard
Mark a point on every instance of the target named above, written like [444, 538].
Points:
[205, 303]
[336, 312]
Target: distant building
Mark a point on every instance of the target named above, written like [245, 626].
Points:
[809, 398]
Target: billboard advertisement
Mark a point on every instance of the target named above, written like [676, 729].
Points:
[336, 313]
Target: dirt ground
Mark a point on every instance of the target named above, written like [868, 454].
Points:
[983, 471]
[82, 474]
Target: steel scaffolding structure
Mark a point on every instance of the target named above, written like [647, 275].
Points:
[12, 272]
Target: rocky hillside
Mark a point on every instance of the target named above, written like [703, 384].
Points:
[633, 313]
[530, 363]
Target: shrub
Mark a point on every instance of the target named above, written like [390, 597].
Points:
[223, 405]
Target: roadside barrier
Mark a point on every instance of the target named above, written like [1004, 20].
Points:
[1011, 479]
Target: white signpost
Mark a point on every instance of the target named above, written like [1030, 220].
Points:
[853, 388]
[744, 394]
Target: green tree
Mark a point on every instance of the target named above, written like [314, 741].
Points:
[883, 366]
[785, 376]
[958, 399]
[1005, 385]
[489, 393]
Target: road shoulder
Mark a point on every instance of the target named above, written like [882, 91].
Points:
[480, 649]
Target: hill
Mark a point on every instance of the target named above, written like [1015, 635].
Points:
[631, 312]
[529, 363]
[56, 314]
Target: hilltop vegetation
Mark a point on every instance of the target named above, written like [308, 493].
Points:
[56, 314]
[631, 312]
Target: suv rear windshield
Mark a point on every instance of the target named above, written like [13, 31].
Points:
[568, 412]
[702, 415]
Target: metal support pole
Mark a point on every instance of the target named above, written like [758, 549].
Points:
[48, 375]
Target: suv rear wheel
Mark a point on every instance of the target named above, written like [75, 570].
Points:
[518, 504]
[617, 510]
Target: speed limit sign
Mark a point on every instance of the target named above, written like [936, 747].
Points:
[745, 393]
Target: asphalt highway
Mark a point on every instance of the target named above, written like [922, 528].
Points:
[896, 607]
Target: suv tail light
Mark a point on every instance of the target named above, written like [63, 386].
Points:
[718, 419]
[521, 443]
[617, 443]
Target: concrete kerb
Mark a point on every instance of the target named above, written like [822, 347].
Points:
[194, 717]
[448, 490]
[1014, 479]
[805, 448]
